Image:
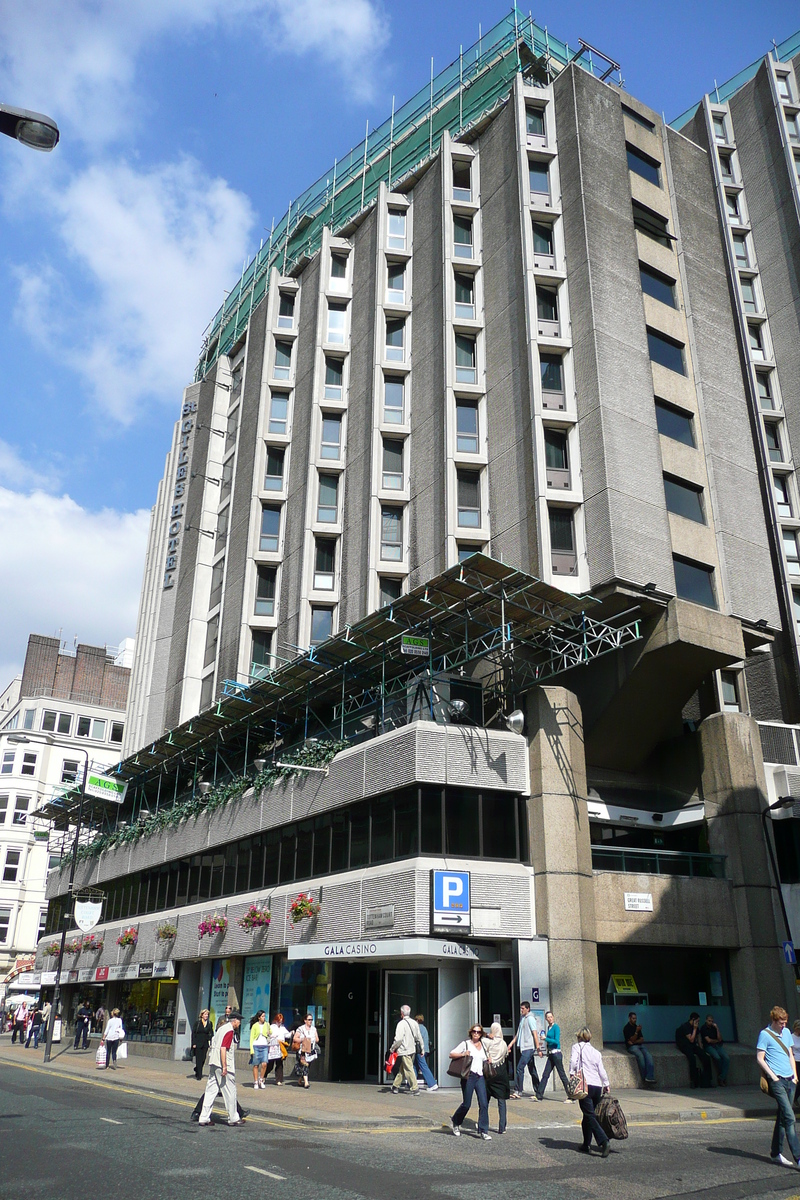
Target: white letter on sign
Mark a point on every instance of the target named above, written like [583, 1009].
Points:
[450, 889]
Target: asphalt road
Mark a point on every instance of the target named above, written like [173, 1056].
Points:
[64, 1140]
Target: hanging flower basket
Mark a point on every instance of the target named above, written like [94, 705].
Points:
[303, 908]
[211, 926]
[166, 931]
[255, 918]
[92, 943]
[128, 937]
[53, 950]
[74, 947]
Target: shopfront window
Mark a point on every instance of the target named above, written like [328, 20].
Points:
[148, 1009]
[303, 988]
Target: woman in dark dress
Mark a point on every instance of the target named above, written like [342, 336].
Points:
[202, 1034]
[498, 1085]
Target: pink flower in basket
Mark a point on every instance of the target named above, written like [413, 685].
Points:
[74, 947]
[128, 937]
[92, 943]
[211, 926]
[304, 907]
[53, 950]
[255, 918]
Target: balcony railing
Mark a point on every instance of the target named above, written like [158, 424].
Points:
[658, 862]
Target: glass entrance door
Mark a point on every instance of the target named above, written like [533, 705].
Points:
[495, 998]
[418, 990]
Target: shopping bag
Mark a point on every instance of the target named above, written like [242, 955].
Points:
[100, 1057]
[391, 1059]
[122, 1050]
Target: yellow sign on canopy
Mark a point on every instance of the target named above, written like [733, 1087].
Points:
[624, 984]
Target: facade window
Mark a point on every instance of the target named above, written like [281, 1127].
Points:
[773, 440]
[7, 765]
[466, 427]
[764, 385]
[328, 502]
[395, 340]
[334, 376]
[534, 122]
[396, 283]
[673, 423]
[56, 722]
[337, 318]
[657, 285]
[231, 426]
[270, 529]
[321, 625]
[796, 607]
[539, 179]
[652, 224]
[212, 634]
[465, 296]
[331, 444]
[748, 295]
[466, 359]
[117, 731]
[324, 563]
[338, 272]
[207, 690]
[562, 540]
[469, 499]
[462, 236]
[392, 467]
[684, 500]
[5, 922]
[84, 727]
[726, 167]
[552, 371]
[390, 590]
[756, 340]
[665, 352]
[391, 534]
[286, 310]
[265, 591]
[21, 806]
[3, 808]
[283, 360]
[784, 87]
[393, 396]
[694, 582]
[42, 924]
[11, 867]
[740, 250]
[556, 457]
[465, 551]
[793, 126]
[729, 691]
[796, 161]
[783, 501]
[547, 310]
[638, 118]
[643, 165]
[720, 133]
[462, 180]
[543, 239]
[29, 718]
[790, 549]
[260, 654]
[278, 412]
[273, 476]
[29, 761]
[732, 205]
[69, 771]
[396, 239]
[226, 479]
[217, 575]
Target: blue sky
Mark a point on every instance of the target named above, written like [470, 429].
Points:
[187, 125]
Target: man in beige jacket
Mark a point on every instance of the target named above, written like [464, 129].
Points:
[408, 1044]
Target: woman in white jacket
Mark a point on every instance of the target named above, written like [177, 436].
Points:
[112, 1037]
[586, 1059]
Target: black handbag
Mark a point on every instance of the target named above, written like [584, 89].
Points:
[490, 1070]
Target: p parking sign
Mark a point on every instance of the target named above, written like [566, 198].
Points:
[450, 911]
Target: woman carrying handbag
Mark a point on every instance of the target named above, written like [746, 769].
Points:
[495, 1070]
[305, 1043]
[467, 1060]
[587, 1062]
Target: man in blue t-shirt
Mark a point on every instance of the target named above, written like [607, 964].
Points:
[776, 1060]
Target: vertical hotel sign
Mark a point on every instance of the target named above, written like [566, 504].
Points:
[176, 516]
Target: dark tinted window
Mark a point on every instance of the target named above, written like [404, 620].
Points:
[667, 353]
[498, 819]
[652, 224]
[684, 500]
[674, 424]
[657, 286]
[382, 845]
[359, 836]
[406, 834]
[694, 582]
[643, 165]
[462, 831]
[431, 820]
[552, 379]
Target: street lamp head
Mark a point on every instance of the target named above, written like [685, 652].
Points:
[18, 739]
[783, 802]
[31, 128]
[515, 721]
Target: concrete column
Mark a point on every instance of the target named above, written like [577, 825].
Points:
[734, 792]
[562, 860]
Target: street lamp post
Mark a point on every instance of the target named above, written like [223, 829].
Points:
[31, 128]
[781, 802]
[21, 738]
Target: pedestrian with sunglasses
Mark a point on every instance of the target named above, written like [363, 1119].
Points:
[473, 1085]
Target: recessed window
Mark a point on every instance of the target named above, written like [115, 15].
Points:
[465, 296]
[338, 272]
[29, 760]
[665, 352]
[69, 771]
[466, 428]
[390, 590]
[462, 236]
[337, 318]
[392, 466]
[222, 529]
[791, 551]
[641, 164]
[469, 499]
[748, 295]
[334, 372]
[773, 440]
[694, 582]
[652, 224]
[53, 722]
[796, 161]
[5, 922]
[732, 205]
[212, 634]
[273, 476]
[793, 126]
[226, 479]
[539, 179]
[391, 533]
[720, 132]
[324, 563]
[764, 386]
[321, 625]
[726, 167]
[466, 359]
[555, 449]
[740, 250]
[396, 283]
[543, 239]
[84, 726]
[29, 718]
[42, 924]
[117, 731]
[462, 180]
[11, 867]
[270, 529]
[684, 499]
[780, 489]
[547, 308]
[331, 445]
[638, 118]
[552, 381]
[283, 360]
[657, 285]
[396, 239]
[286, 310]
[784, 87]
[265, 591]
[3, 808]
[260, 654]
[328, 503]
[562, 540]
[756, 340]
[674, 424]
[395, 340]
[278, 412]
[393, 393]
[729, 691]
[21, 806]
[534, 121]
[465, 551]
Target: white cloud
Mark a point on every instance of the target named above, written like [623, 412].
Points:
[16, 473]
[64, 567]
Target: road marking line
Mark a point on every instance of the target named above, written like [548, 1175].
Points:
[261, 1171]
[110, 1121]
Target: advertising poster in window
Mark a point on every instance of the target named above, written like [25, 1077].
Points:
[256, 985]
[220, 978]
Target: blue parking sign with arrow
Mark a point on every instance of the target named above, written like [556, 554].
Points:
[450, 897]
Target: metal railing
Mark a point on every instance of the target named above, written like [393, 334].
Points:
[658, 862]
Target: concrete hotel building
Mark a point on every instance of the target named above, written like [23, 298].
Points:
[515, 324]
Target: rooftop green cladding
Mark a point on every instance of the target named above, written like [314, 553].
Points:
[455, 100]
[723, 91]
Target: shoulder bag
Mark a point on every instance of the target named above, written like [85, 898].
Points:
[763, 1082]
[577, 1083]
[459, 1068]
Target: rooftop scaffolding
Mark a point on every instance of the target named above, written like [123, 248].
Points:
[456, 100]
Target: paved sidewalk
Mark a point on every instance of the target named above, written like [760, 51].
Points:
[361, 1105]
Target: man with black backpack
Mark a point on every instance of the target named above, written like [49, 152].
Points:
[779, 1074]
